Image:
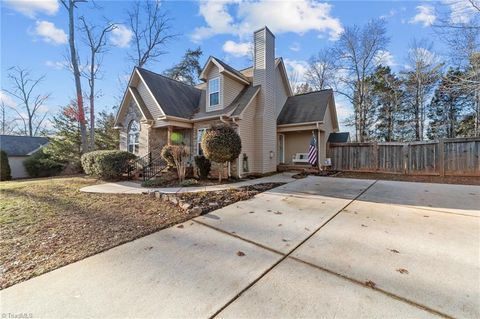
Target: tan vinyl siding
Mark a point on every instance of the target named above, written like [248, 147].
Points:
[149, 100]
[280, 92]
[296, 142]
[231, 88]
[213, 73]
[247, 134]
[264, 75]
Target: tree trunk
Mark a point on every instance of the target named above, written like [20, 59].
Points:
[76, 74]
[92, 102]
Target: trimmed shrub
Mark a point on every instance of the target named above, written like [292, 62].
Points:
[106, 164]
[167, 155]
[5, 172]
[203, 165]
[189, 182]
[221, 144]
[41, 164]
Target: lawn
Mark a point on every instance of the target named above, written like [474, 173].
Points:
[48, 223]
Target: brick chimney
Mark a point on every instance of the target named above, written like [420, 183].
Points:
[264, 75]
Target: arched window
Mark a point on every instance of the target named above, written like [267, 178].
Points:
[133, 136]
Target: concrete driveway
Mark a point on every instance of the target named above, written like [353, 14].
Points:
[316, 247]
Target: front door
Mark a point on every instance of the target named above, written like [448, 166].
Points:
[281, 148]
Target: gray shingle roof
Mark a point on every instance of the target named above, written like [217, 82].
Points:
[304, 108]
[175, 98]
[21, 145]
[230, 69]
[341, 137]
[235, 108]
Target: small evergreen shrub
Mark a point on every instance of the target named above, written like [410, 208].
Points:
[167, 155]
[5, 172]
[41, 164]
[106, 164]
[203, 165]
[157, 182]
[221, 144]
[189, 182]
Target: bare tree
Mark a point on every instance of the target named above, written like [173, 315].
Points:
[420, 79]
[96, 41]
[70, 6]
[29, 103]
[355, 52]
[7, 124]
[151, 31]
[459, 27]
[321, 70]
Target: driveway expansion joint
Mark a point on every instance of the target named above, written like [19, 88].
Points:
[285, 256]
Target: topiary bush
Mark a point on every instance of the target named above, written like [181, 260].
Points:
[167, 155]
[5, 172]
[203, 165]
[221, 143]
[106, 164]
[42, 164]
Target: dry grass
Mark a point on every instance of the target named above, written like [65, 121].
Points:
[48, 223]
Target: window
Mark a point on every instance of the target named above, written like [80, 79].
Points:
[214, 92]
[200, 133]
[133, 137]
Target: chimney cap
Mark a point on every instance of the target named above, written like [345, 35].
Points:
[265, 28]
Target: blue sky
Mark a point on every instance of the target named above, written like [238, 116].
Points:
[33, 36]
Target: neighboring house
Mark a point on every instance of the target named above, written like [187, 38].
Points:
[18, 149]
[274, 125]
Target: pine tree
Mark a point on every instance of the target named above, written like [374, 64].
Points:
[387, 95]
[188, 69]
[66, 146]
[448, 105]
[107, 138]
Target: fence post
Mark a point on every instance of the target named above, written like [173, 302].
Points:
[375, 156]
[405, 158]
[441, 156]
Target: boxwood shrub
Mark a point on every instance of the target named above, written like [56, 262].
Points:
[106, 164]
[41, 164]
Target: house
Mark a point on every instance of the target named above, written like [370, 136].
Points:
[18, 149]
[275, 126]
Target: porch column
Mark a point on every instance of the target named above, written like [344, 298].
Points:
[319, 144]
[169, 135]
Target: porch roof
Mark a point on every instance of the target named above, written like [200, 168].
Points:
[305, 108]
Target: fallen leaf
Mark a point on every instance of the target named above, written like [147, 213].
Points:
[370, 284]
[364, 225]
[394, 251]
[180, 226]
[278, 213]
[240, 253]
[402, 271]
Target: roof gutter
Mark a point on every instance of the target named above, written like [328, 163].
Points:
[317, 123]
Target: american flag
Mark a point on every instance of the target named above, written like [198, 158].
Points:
[312, 151]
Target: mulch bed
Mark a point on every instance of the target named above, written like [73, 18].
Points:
[209, 201]
[49, 223]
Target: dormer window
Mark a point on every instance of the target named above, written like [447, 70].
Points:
[214, 92]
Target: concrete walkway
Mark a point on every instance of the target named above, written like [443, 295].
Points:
[315, 247]
[128, 187]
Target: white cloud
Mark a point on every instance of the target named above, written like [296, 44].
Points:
[283, 16]
[384, 57]
[237, 49]
[31, 8]
[121, 36]
[295, 47]
[7, 99]
[461, 11]
[425, 15]
[296, 70]
[388, 15]
[58, 65]
[50, 33]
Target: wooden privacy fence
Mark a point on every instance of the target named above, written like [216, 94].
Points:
[459, 156]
